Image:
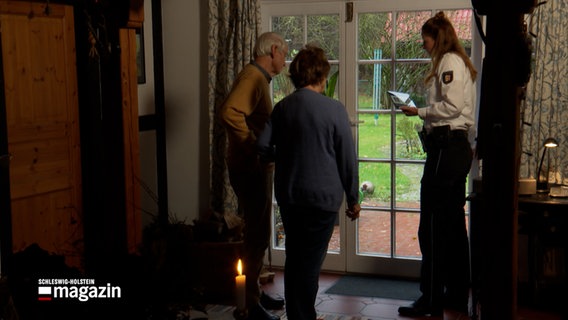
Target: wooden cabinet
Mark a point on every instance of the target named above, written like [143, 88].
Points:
[543, 223]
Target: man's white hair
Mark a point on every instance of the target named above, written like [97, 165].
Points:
[264, 43]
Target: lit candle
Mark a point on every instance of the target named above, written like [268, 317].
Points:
[241, 287]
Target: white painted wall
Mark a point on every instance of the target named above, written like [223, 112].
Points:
[184, 52]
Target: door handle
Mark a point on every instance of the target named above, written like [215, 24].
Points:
[355, 123]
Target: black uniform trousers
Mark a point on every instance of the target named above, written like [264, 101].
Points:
[442, 234]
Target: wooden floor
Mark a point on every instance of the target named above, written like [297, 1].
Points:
[375, 308]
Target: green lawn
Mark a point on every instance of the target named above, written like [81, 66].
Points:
[375, 142]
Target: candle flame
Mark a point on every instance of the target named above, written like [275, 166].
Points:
[240, 267]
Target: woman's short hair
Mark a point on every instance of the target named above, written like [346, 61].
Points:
[264, 43]
[309, 66]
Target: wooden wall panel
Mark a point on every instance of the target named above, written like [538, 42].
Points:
[40, 76]
[51, 220]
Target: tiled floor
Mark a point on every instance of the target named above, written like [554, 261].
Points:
[372, 240]
[374, 308]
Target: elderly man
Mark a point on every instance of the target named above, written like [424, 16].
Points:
[244, 114]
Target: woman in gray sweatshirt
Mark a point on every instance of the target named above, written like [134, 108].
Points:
[309, 138]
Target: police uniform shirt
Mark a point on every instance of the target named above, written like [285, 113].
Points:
[451, 96]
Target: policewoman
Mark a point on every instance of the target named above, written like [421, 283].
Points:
[448, 123]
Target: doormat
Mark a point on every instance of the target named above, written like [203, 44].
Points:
[376, 287]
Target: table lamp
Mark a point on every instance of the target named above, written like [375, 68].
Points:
[542, 183]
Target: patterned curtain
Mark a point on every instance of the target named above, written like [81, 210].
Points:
[233, 28]
[545, 112]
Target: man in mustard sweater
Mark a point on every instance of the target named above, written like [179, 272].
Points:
[244, 115]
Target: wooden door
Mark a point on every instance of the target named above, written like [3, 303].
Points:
[40, 86]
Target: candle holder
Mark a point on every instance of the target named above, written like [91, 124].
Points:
[240, 314]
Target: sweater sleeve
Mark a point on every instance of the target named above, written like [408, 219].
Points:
[237, 107]
[346, 158]
[265, 143]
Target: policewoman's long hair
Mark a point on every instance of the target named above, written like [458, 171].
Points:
[440, 28]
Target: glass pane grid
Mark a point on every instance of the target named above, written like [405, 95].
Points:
[408, 35]
[390, 153]
[323, 30]
[389, 57]
[408, 144]
[373, 233]
[406, 235]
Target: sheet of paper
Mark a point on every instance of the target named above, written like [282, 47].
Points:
[401, 99]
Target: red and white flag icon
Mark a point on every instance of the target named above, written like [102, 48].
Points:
[44, 293]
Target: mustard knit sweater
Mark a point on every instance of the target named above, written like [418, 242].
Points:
[244, 114]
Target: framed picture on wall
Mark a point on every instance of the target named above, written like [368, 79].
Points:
[140, 60]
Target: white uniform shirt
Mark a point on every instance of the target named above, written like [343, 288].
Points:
[451, 96]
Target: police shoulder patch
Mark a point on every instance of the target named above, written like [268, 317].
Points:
[447, 77]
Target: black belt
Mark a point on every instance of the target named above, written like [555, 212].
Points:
[458, 134]
[440, 137]
[444, 131]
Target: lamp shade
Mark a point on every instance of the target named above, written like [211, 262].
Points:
[542, 185]
[550, 143]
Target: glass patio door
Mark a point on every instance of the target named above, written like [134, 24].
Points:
[374, 47]
[300, 23]
[385, 54]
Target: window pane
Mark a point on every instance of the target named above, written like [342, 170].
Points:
[335, 241]
[279, 234]
[321, 29]
[408, 177]
[374, 136]
[281, 85]
[408, 34]
[408, 145]
[292, 29]
[334, 84]
[374, 232]
[376, 177]
[374, 82]
[375, 32]
[324, 30]
[461, 20]
[406, 229]
[410, 78]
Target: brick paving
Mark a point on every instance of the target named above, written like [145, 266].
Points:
[374, 232]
